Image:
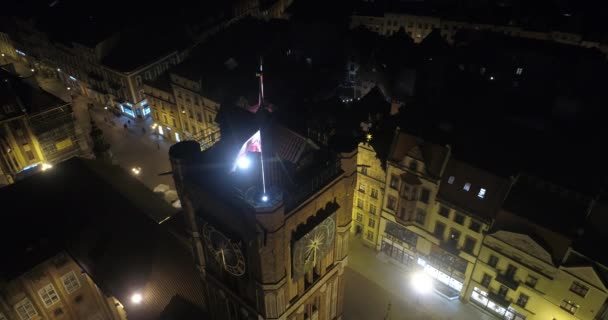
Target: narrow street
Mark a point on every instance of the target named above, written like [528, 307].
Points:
[372, 282]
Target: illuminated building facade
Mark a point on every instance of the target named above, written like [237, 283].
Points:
[420, 26]
[367, 199]
[269, 230]
[35, 128]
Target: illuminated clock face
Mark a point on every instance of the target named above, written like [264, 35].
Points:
[225, 252]
[313, 247]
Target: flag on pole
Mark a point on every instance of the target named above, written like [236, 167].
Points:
[253, 144]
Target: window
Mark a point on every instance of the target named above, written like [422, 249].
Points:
[174, 123]
[511, 270]
[364, 170]
[360, 203]
[502, 291]
[458, 218]
[493, 261]
[199, 118]
[414, 165]
[467, 186]
[439, 230]
[531, 281]
[359, 217]
[569, 306]
[522, 300]
[482, 193]
[361, 187]
[48, 295]
[372, 209]
[370, 236]
[444, 212]
[420, 216]
[424, 195]
[454, 237]
[469, 245]
[451, 180]
[25, 309]
[374, 193]
[579, 289]
[402, 213]
[371, 223]
[70, 282]
[486, 280]
[394, 182]
[209, 119]
[519, 71]
[30, 155]
[391, 203]
[475, 226]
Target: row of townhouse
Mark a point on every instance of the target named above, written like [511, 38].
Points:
[418, 27]
[103, 69]
[180, 110]
[485, 239]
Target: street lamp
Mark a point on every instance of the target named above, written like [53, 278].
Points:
[136, 170]
[136, 298]
[422, 282]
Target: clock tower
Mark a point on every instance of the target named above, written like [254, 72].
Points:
[268, 213]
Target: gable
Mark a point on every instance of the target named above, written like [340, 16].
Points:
[526, 244]
[588, 274]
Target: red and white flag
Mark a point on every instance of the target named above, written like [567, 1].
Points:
[253, 144]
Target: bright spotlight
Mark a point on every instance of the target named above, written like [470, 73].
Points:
[264, 198]
[136, 298]
[136, 170]
[32, 70]
[46, 166]
[243, 162]
[422, 282]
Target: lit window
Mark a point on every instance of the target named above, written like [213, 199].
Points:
[569, 306]
[482, 193]
[48, 295]
[519, 71]
[25, 309]
[467, 186]
[361, 187]
[70, 282]
[451, 179]
[370, 236]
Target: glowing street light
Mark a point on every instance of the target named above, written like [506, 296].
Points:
[32, 70]
[136, 170]
[46, 166]
[136, 298]
[422, 282]
[243, 162]
[264, 198]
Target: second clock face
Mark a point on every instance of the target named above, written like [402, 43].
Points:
[225, 252]
[313, 246]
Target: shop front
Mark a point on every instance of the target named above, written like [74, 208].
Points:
[396, 244]
[447, 269]
[496, 304]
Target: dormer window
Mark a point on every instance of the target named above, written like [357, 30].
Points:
[414, 166]
[451, 179]
[467, 186]
[482, 193]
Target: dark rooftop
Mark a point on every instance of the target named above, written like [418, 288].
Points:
[548, 205]
[483, 203]
[93, 221]
[18, 94]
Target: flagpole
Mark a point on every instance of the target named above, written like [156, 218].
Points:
[262, 161]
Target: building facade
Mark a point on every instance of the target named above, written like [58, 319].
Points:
[367, 199]
[56, 289]
[418, 27]
[181, 111]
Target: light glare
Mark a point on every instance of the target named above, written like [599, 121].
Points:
[264, 198]
[136, 298]
[243, 162]
[422, 282]
[46, 166]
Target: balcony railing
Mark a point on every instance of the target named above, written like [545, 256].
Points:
[508, 281]
[499, 299]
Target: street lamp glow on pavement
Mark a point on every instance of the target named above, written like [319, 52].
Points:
[46, 166]
[136, 298]
[422, 282]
